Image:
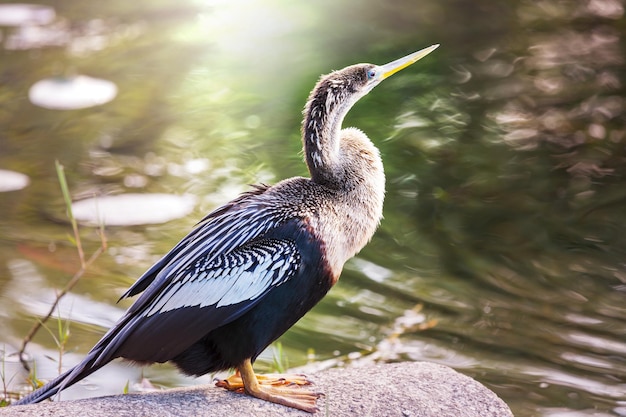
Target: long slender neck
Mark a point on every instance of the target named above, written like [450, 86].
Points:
[345, 161]
[325, 110]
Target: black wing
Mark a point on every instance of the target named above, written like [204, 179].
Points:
[213, 276]
[210, 293]
[239, 219]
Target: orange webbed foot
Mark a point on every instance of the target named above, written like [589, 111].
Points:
[285, 389]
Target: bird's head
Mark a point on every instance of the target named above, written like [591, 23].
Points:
[344, 87]
[374, 74]
[330, 101]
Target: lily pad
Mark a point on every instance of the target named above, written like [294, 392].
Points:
[132, 209]
[22, 14]
[69, 93]
[12, 181]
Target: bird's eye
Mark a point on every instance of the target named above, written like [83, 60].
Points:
[371, 73]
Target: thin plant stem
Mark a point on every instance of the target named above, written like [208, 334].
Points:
[33, 331]
[68, 206]
[5, 392]
[77, 276]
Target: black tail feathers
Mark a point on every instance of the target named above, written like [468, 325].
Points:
[65, 380]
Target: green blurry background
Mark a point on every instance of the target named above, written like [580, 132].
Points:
[504, 152]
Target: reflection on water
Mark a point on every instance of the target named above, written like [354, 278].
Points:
[19, 14]
[28, 288]
[132, 209]
[72, 93]
[11, 180]
[502, 248]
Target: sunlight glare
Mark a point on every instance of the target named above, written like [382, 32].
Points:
[254, 30]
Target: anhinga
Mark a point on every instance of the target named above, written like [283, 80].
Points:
[253, 267]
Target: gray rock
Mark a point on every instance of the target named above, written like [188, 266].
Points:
[409, 389]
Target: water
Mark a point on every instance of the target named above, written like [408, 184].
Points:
[502, 249]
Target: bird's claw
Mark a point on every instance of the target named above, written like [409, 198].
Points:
[287, 389]
[235, 382]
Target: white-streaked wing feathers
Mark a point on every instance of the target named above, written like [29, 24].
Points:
[220, 238]
[243, 274]
[214, 237]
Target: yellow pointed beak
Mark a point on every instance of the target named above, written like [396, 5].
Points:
[400, 64]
